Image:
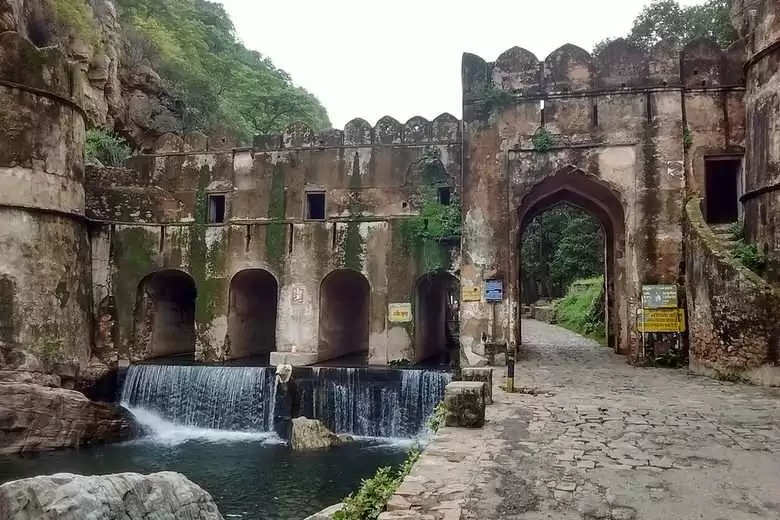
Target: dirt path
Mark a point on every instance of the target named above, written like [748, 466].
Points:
[603, 439]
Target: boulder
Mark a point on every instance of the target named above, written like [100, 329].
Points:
[483, 374]
[63, 496]
[465, 404]
[38, 418]
[311, 434]
[327, 513]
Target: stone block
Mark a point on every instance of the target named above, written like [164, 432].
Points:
[465, 403]
[483, 374]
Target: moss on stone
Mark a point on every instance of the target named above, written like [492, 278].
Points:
[276, 231]
[134, 257]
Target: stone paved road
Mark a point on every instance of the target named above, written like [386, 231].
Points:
[597, 438]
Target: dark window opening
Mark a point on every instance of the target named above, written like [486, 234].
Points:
[722, 190]
[444, 196]
[595, 116]
[315, 206]
[216, 209]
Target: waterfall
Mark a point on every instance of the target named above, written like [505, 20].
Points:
[218, 398]
[372, 402]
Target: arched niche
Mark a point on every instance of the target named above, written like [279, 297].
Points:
[252, 313]
[436, 330]
[345, 299]
[165, 314]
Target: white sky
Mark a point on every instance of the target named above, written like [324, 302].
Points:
[402, 57]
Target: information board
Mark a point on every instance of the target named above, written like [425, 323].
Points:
[470, 294]
[400, 312]
[659, 296]
[494, 290]
[661, 320]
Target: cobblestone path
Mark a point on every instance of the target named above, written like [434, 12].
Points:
[595, 438]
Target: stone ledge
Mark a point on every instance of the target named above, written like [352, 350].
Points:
[295, 359]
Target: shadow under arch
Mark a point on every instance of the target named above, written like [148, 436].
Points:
[345, 303]
[595, 196]
[164, 322]
[436, 305]
[252, 311]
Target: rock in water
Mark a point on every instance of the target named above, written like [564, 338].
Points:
[162, 496]
[39, 418]
[311, 434]
[327, 513]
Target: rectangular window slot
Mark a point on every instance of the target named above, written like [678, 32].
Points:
[649, 108]
[315, 205]
[216, 209]
[444, 196]
[162, 239]
[248, 237]
[292, 238]
[333, 238]
[595, 116]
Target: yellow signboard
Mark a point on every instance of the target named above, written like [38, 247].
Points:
[400, 312]
[471, 293]
[661, 320]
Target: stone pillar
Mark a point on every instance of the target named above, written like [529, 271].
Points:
[484, 375]
[465, 404]
[45, 316]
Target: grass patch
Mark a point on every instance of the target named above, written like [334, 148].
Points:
[582, 309]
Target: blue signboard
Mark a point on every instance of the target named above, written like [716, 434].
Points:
[494, 290]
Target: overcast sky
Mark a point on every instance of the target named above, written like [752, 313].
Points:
[402, 57]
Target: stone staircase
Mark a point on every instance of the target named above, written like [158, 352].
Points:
[725, 235]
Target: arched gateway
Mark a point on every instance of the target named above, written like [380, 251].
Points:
[597, 197]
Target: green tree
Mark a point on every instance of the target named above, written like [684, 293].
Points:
[668, 20]
[559, 246]
[216, 81]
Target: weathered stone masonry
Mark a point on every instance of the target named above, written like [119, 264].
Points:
[295, 247]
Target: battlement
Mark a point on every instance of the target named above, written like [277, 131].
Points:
[620, 65]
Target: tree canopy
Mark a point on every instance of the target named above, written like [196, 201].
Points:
[218, 82]
[668, 20]
[559, 246]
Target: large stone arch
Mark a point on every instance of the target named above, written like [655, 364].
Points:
[252, 312]
[597, 197]
[345, 305]
[436, 298]
[165, 314]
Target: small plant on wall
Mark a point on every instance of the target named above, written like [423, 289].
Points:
[542, 140]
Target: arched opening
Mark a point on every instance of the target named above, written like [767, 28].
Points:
[344, 314]
[165, 314]
[436, 329]
[562, 270]
[595, 197]
[252, 313]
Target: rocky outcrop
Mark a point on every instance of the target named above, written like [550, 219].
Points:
[117, 90]
[327, 513]
[311, 434]
[39, 418]
[163, 496]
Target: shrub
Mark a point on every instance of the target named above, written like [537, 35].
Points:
[582, 310]
[750, 257]
[542, 140]
[105, 147]
[75, 16]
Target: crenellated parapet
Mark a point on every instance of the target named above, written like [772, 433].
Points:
[444, 129]
[619, 65]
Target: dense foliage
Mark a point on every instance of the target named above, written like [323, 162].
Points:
[582, 309]
[668, 20]
[106, 148]
[747, 254]
[560, 246]
[218, 82]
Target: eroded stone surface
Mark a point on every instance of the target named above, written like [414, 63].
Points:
[311, 434]
[465, 403]
[597, 438]
[164, 496]
[39, 418]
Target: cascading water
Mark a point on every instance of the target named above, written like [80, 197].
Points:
[362, 402]
[370, 402]
[218, 398]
